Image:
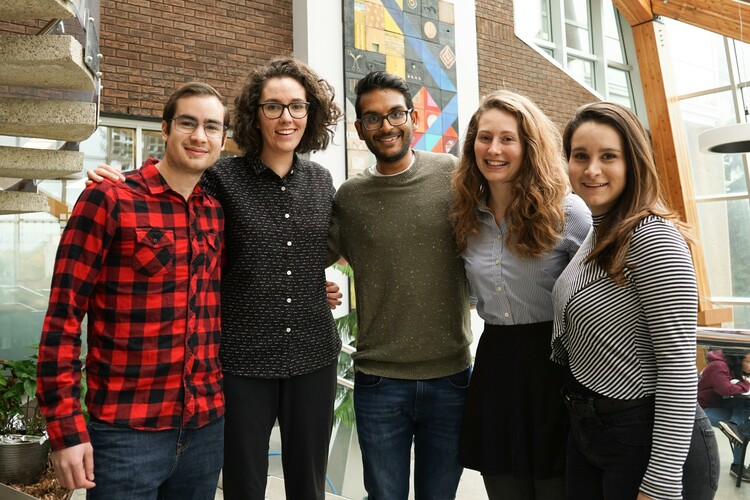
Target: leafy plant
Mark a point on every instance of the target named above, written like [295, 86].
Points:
[347, 327]
[19, 413]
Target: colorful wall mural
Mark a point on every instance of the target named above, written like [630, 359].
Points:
[415, 40]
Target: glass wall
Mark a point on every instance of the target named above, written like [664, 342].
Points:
[712, 72]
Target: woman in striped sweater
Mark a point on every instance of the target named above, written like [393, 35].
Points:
[625, 320]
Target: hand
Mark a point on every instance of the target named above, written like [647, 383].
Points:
[643, 496]
[102, 172]
[333, 294]
[74, 466]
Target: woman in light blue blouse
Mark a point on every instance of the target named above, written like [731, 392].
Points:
[516, 226]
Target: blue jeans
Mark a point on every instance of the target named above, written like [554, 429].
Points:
[147, 465]
[608, 455]
[391, 413]
[736, 410]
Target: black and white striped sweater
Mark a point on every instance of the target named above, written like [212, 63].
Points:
[638, 339]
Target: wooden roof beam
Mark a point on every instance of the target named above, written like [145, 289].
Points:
[635, 11]
[719, 16]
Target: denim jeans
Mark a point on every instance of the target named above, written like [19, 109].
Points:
[736, 410]
[147, 465]
[608, 456]
[393, 413]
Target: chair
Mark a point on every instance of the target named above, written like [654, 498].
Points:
[733, 441]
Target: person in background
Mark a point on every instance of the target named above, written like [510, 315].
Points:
[625, 326]
[517, 226]
[721, 382]
[279, 345]
[141, 259]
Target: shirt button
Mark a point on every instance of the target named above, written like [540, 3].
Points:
[286, 216]
[288, 243]
[283, 188]
[288, 330]
[499, 289]
[499, 236]
[497, 262]
[288, 273]
[288, 301]
[507, 315]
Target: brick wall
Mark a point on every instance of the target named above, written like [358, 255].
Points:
[150, 47]
[506, 62]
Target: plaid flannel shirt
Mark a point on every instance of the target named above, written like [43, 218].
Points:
[143, 263]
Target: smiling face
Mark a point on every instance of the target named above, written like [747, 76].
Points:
[194, 152]
[498, 148]
[597, 168]
[389, 144]
[282, 135]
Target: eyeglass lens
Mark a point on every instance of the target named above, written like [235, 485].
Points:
[395, 118]
[273, 110]
[188, 125]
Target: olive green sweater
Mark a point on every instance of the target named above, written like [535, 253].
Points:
[412, 297]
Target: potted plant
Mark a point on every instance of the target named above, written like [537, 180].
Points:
[24, 446]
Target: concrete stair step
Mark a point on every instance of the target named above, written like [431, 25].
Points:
[14, 202]
[27, 163]
[59, 120]
[23, 10]
[50, 62]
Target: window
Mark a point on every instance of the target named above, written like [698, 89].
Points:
[589, 40]
[713, 76]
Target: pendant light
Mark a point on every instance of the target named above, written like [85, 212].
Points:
[732, 139]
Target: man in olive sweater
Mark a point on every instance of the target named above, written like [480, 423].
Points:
[412, 362]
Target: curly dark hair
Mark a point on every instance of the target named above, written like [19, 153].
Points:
[381, 80]
[322, 114]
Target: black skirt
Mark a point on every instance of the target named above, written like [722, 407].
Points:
[514, 420]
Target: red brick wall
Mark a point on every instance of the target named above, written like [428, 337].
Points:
[506, 62]
[150, 47]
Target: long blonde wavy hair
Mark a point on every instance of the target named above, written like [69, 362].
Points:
[536, 216]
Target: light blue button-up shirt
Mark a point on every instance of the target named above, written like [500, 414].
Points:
[512, 290]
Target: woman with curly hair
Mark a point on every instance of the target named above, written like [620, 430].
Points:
[516, 227]
[625, 324]
[279, 343]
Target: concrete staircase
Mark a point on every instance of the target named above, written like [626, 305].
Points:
[56, 71]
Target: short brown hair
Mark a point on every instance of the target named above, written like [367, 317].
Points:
[187, 90]
[321, 117]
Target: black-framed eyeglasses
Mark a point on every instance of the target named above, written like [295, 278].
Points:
[395, 118]
[188, 125]
[273, 110]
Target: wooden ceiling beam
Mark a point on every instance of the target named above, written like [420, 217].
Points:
[635, 11]
[719, 16]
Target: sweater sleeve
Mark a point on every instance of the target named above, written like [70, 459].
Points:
[663, 275]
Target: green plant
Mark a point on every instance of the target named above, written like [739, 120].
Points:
[347, 327]
[19, 413]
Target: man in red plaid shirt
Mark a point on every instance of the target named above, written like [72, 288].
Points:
[141, 259]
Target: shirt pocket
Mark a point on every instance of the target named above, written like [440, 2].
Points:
[154, 251]
[211, 245]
